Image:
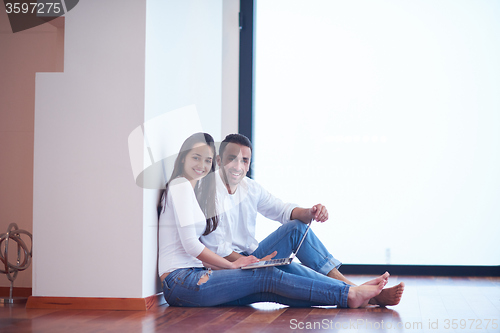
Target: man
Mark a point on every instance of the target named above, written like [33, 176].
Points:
[241, 198]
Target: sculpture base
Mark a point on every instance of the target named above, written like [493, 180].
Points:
[13, 300]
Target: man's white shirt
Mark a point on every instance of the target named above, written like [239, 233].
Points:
[238, 216]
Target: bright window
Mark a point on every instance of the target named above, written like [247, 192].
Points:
[387, 112]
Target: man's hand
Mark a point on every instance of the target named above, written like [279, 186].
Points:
[319, 213]
[269, 256]
[243, 261]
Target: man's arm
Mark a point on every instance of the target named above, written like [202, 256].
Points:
[317, 212]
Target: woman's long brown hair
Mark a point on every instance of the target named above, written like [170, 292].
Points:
[205, 190]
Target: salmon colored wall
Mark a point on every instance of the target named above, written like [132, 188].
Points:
[40, 49]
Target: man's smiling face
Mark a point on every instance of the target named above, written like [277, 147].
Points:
[234, 164]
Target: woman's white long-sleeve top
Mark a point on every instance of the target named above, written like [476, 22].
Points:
[180, 226]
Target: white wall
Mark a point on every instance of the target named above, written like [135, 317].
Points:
[230, 66]
[126, 62]
[183, 62]
[192, 59]
[184, 57]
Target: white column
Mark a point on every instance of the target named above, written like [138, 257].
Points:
[87, 210]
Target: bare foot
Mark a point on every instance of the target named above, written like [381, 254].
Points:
[374, 282]
[359, 296]
[389, 296]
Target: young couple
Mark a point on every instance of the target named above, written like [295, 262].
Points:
[207, 233]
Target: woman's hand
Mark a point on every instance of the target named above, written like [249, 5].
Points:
[215, 261]
[243, 261]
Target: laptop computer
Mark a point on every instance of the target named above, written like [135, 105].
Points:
[279, 262]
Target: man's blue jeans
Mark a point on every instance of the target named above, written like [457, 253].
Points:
[312, 253]
[230, 287]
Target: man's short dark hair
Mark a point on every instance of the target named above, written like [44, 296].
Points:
[239, 139]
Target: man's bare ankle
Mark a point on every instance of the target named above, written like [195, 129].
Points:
[335, 274]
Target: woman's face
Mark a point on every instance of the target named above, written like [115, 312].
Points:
[198, 162]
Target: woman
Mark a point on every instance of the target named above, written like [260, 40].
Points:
[189, 211]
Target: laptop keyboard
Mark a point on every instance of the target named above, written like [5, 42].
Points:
[276, 261]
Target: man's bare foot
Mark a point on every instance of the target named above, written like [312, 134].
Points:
[374, 282]
[359, 296]
[389, 296]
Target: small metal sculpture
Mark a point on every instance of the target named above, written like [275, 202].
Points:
[23, 258]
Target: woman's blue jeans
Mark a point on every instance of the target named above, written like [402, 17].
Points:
[183, 287]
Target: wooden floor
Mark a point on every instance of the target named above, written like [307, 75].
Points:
[429, 304]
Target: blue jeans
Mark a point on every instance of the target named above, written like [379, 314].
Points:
[312, 253]
[230, 287]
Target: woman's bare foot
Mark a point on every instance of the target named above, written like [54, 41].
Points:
[359, 296]
[374, 282]
[389, 296]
